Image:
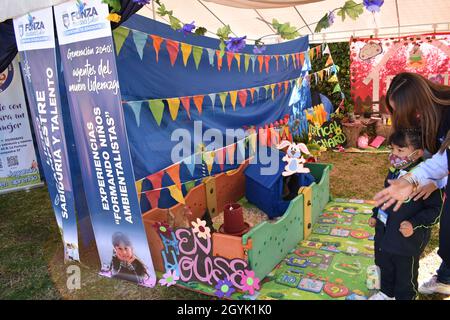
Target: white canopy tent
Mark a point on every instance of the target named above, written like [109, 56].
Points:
[397, 17]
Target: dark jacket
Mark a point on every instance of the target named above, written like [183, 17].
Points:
[422, 214]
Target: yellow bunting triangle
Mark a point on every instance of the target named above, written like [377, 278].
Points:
[333, 78]
[174, 105]
[186, 49]
[320, 75]
[233, 96]
[176, 193]
[139, 189]
[209, 160]
[223, 99]
[237, 56]
[272, 86]
[252, 140]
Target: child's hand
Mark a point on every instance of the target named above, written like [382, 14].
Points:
[372, 222]
[406, 229]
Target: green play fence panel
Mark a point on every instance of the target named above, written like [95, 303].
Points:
[272, 241]
[321, 194]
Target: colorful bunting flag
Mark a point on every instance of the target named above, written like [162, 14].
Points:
[230, 151]
[176, 194]
[327, 50]
[197, 52]
[186, 102]
[261, 63]
[286, 87]
[173, 49]
[219, 59]
[237, 56]
[266, 63]
[174, 173]
[174, 106]
[198, 101]
[242, 94]
[287, 60]
[157, 109]
[209, 160]
[252, 94]
[337, 88]
[246, 61]
[293, 61]
[221, 156]
[241, 151]
[120, 35]
[136, 106]
[333, 79]
[211, 53]
[140, 39]
[186, 50]
[189, 185]
[157, 41]
[153, 195]
[277, 57]
[329, 61]
[233, 97]
[223, 99]
[252, 140]
[230, 57]
[253, 58]
[212, 96]
[272, 87]
[139, 188]
[190, 164]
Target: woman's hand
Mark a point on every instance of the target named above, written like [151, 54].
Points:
[424, 192]
[398, 191]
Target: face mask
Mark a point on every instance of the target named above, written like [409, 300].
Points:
[402, 162]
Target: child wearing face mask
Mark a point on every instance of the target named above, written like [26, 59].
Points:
[401, 237]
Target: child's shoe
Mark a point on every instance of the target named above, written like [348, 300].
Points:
[380, 296]
[434, 286]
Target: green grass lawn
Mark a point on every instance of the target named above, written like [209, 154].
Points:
[31, 257]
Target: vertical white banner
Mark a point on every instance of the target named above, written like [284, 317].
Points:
[18, 165]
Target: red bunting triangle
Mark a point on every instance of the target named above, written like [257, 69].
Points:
[153, 197]
[221, 156]
[198, 101]
[157, 44]
[261, 61]
[302, 58]
[230, 57]
[230, 150]
[174, 174]
[186, 101]
[269, 139]
[297, 57]
[279, 87]
[173, 47]
[266, 62]
[262, 137]
[219, 59]
[156, 179]
[242, 94]
[286, 87]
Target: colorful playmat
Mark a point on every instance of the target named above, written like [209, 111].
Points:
[331, 264]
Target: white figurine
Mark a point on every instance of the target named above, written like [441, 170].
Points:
[294, 157]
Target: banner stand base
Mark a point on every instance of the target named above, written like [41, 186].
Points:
[25, 188]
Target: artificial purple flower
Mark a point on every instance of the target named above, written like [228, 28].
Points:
[373, 5]
[259, 49]
[224, 288]
[142, 2]
[235, 44]
[331, 18]
[188, 28]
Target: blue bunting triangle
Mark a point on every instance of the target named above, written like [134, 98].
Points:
[211, 54]
[190, 164]
[140, 39]
[136, 106]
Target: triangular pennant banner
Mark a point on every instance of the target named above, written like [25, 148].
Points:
[190, 164]
[140, 39]
[212, 96]
[294, 61]
[230, 57]
[329, 61]
[252, 140]
[211, 53]
[174, 173]
[286, 87]
[136, 106]
[266, 63]
[186, 101]
[198, 101]
[157, 44]
[302, 58]
[279, 84]
[252, 94]
[327, 50]
[174, 106]
[277, 57]
[209, 160]
[176, 194]
[230, 151]
[272, 87]
[173, 49]
[157, 109]
[297, 58]
[287, 60]
[219, 59]
[242, 94]
[189, 185]
[333, 78]
[221, 157]
[186, 50]
[197, 52]
[267, 87]
[337, 88]
[261, 63]
[233, 97]
[253, 58]
[156, 179]
[246, 61]
[237, 56]
[153, 197]
[223, 99]
[139, 188]
[120, 35]
[241, 150]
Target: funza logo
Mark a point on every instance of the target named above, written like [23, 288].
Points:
[82, 15]
[32, 28]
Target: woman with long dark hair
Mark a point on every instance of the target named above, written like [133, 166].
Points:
[416, 102]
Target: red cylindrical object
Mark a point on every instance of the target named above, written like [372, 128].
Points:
[233, 220]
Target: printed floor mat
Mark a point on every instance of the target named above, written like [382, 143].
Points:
[331, 264]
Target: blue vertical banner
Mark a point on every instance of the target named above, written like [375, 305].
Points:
[90, 73]
[36, 43]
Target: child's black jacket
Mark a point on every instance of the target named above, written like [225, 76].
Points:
[422, 214]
